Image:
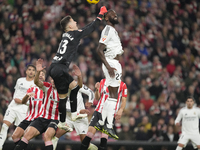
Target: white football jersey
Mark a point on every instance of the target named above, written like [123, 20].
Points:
[80, 103]
[190, 120]
[21, 87]
[110, 38]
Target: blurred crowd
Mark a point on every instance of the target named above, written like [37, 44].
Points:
[161, 60]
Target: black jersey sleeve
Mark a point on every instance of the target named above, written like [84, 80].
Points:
[87, 29]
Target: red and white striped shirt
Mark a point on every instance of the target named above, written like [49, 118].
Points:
[51, 102]
[104, 94]
[35, 104]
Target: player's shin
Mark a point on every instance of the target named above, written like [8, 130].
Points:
[55, 142]
[3, 134]
[62, 109]
[48, 145]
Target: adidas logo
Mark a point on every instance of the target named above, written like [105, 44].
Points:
[83, 131]
[21, 84]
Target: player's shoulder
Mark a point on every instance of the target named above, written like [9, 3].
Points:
[107, 29]
[196, 108]
[21, 79]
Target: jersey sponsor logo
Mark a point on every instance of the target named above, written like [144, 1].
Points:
[104, 38]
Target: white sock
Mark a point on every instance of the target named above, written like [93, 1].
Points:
[3, 134]
[111, 112]
[55, 142]
[179, 148]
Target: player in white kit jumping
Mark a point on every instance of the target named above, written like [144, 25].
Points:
[190, 124]
[109, 50]
[80, 125]
[16, 111]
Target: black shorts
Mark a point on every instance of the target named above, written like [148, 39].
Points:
[42, 124]
[61, 77]
[24, 124]
[95, 118]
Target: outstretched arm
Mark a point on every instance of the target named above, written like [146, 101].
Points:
[39, 68]
[92, 26]
[100, 51]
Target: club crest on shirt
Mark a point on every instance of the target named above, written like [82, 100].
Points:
[194, 113]
[104, 38]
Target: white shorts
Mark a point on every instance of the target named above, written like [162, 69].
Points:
[80, 125]
[12, 115]
[113, 82]
[185, 138]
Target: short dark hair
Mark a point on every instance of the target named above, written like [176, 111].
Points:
[64, 22]
[30, 65]
[190, 97]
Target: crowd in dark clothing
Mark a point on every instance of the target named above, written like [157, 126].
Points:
[161, 60]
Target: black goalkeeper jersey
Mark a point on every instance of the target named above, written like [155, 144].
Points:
[70, 41]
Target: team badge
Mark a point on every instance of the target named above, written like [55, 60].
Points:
[194, 113]
[104, 38]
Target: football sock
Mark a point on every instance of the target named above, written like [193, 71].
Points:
[85, 143]
[62, 108]
[55, 142]
[73, 98]
[3, 134]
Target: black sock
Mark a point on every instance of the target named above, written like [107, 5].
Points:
[103, 144]
[85, 143]
[17, 142]
[62, 108]
[49, 147]
[21, 146]
[73, 99]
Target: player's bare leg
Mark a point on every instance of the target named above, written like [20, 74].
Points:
[48, 136]
[16, 136]
[3, 134]
[30, 133]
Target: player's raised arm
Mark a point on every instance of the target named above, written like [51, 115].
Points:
[39, 68]
[92, 26]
